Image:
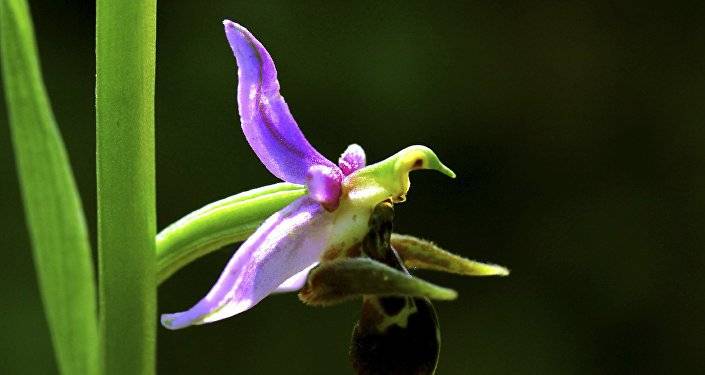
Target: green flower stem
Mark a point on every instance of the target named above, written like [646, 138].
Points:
[221, 223]
[54, 215]
[125, 57]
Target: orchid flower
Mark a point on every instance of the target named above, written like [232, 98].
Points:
[325, 225]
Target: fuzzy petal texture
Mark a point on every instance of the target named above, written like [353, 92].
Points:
[352, 159]
[343, 279]
[323, 184]
[422, 254]
[268, 125]
[287, 242]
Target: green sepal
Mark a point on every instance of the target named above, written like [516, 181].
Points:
[218, 224]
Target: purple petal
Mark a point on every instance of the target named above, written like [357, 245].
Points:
[295, 282]
[286, 243]
[352, 159]
[323, 185]
[266, 121]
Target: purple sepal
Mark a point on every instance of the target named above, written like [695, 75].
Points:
[295, 282]
[268, 125]
[323, 185]
[285, 244]
[352, 159]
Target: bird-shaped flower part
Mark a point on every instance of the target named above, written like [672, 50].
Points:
[329, 219]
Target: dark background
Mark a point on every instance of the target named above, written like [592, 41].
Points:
[575, 128]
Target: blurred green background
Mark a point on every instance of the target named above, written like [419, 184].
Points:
[576, 130]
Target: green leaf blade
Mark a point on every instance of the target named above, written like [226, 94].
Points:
[54, 215]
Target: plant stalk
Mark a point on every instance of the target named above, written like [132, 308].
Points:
[125, 69]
